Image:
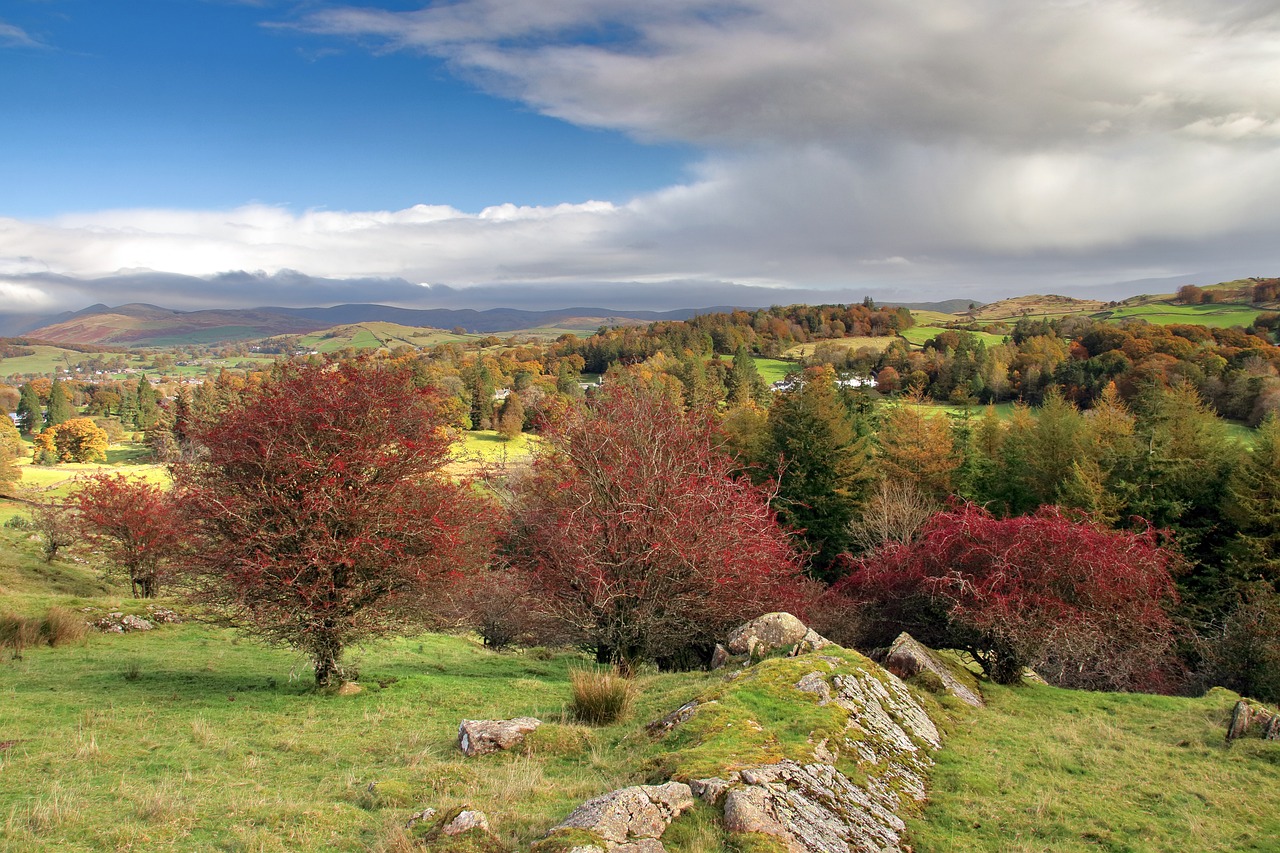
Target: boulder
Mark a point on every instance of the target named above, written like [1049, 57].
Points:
[632, 819]
[660, 727]
[480, 737]
[907, 657]
[465, 821]
[766, 634]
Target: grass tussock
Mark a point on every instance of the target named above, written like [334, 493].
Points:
[58, 627]
[600, 696]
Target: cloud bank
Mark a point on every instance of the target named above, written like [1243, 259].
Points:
[968, 148]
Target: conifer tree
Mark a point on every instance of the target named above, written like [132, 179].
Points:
[511, 416]
[826, 470]
[1253, 505]
[29, 410]
[59, 409]
[917, 445]
[147, 404]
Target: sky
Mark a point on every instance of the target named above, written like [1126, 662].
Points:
[662, 154]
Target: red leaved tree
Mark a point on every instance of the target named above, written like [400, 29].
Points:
[639, 537]
[134, 522]
[321, 511]
[1084, 605]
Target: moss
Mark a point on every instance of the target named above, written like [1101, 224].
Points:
[564, 840]
[754, 842]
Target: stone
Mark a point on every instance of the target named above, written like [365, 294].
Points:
[420, 817]
[466, 820]
[812, 641]
[710, 790]
[658, 728]
[766, 634]
[719, 658]
[480, 737]
[908, 657]
[631, 815]
[348, 688]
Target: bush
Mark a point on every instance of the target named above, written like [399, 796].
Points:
[600, 696]
[1084, 605]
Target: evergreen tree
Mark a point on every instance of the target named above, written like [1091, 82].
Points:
[1253, 505]
[743, 383]
[59, 410]
[147, 405]
[29, 410]
[826, 471]
[1057, 444]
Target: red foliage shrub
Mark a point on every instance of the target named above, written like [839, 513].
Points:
[1084, 605]
[135, 524]
[638, 535]
[321, 512]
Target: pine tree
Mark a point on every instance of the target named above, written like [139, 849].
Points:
[743, 383]
[59, 410]
[511, 416]
[1253, 505]
[29, 414]
[826, 470]
[147, 404]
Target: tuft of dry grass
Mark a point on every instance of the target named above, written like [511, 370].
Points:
[62, 627]
[600, 696]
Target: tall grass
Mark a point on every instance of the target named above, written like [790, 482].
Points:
[600, 696]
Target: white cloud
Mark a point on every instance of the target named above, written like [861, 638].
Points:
[928, 146]
[14, 36]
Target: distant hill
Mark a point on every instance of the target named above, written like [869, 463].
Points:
[139, 324]
[1034, 306]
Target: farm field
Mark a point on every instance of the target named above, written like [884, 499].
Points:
[1218, 316]
[47, 359]
[774, 369]
[920, 335]
[873, 343]
[378, 334]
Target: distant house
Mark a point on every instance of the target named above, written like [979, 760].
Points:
[792, 381]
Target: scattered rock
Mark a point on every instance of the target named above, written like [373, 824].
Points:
[163, 616]
[628, 817]
[466, 820]
[660, 727]
[907, 658]
[116, 622]
[812, 641]
[480, 737]
[766, 634]
[719, 657]
[420, 817]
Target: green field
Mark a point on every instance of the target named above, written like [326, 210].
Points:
[920, 335]
[1216, 316]
[47, 359]
[379, 334]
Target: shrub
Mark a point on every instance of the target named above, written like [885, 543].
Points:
[600, 696]
[1085, 606]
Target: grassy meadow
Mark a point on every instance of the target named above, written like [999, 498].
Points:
[1218, 316]
[920, 335]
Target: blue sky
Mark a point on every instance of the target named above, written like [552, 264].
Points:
[671, 153]
[183, 103]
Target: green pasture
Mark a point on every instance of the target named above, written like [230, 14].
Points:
[1218, 316]
[920, 335]
[773, 370]
[1045, 770]
[45, 360]
[379, 334]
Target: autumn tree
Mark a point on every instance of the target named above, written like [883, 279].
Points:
[639, 536]
[1085, 606]
[823, 464]
[511, 416]
[321, 512]
[76, 440]
[134, 522]
[916, 445]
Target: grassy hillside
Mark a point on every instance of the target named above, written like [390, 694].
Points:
[189, 737]
[1217, 315]
[919, 335]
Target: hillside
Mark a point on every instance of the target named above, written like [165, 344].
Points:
[1034, 306]
[186, 737]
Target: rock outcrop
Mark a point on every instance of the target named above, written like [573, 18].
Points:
[480, 737]
[771, 632]
[629, 820]
[908, 658]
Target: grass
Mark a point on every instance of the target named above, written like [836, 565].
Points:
[874, 343]
[1044, 769]
[1218, 316]
[45, 360]
[920, 335]
[773, 370]
[600, 696]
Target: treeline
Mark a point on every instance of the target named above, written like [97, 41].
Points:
[1235, 370]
